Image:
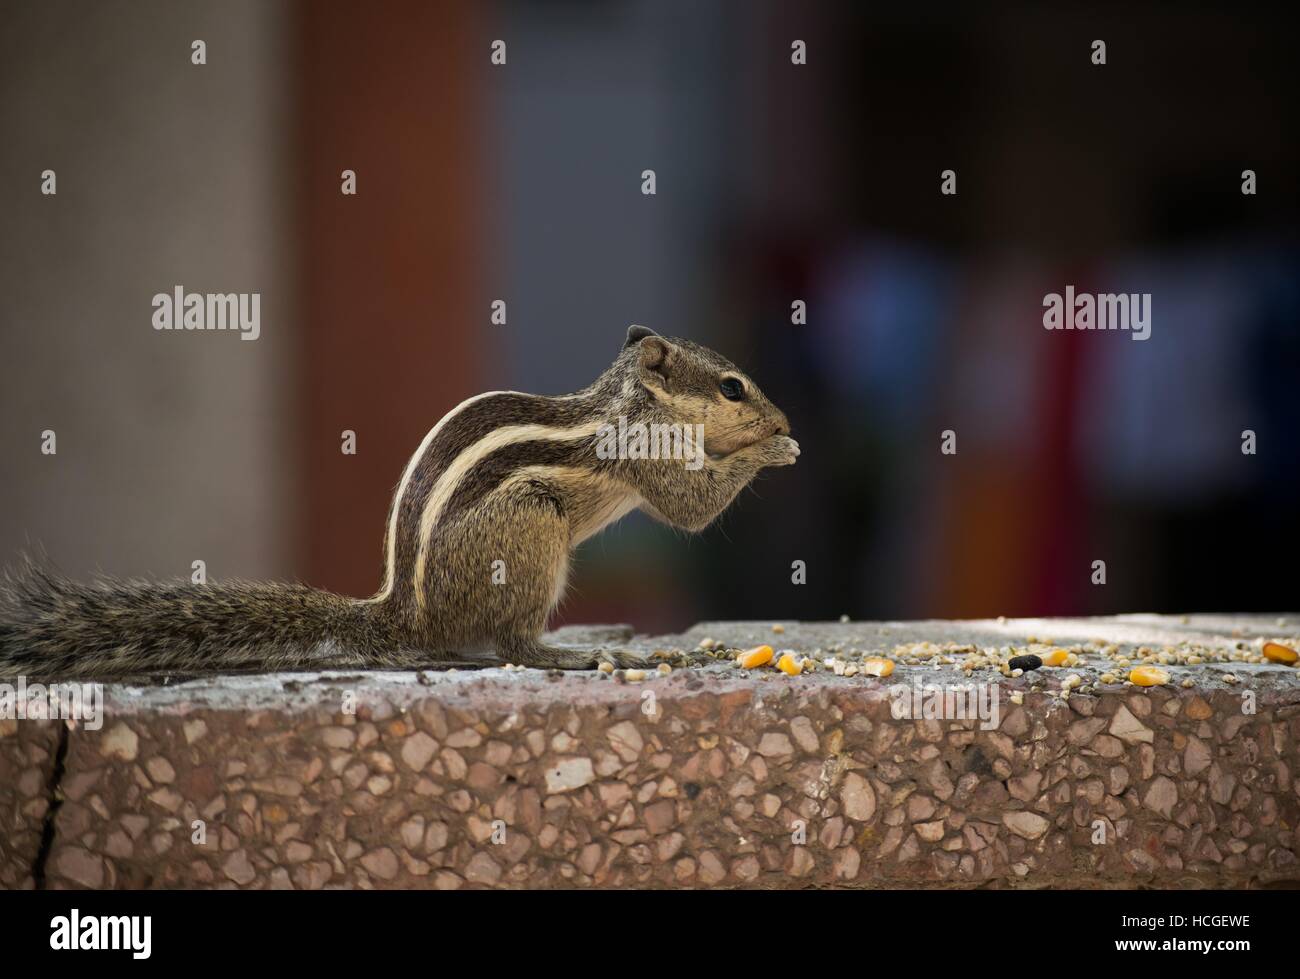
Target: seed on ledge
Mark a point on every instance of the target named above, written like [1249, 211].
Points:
[605, 666]
[1029, 662]
[877, 667]
[778, 628]
[634, 675]
[665, 669]
[1056, 657]
[1148, 676]
[788, 665]
[758, 656]
[1278, 653]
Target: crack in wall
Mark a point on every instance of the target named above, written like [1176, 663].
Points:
[54, 791]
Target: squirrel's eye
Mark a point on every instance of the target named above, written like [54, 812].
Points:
[732, 389]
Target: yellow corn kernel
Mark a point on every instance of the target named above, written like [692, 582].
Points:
[788, 665]
[1056, 657]
[758, 656]
[877, 667]
[1148, 676]
[1278, 653]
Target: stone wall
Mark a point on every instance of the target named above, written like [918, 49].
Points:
[28, 758]
[707, 776]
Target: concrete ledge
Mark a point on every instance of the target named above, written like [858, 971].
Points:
[704, 777]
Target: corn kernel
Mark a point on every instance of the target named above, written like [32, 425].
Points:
[1056, 657]
[878, 667]
[788, 665]
[1148, 676]
[1278, 653]
[758, 656]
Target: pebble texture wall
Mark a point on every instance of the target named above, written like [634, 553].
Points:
[707, 776]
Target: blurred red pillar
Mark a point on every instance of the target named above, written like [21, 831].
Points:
[388, 304]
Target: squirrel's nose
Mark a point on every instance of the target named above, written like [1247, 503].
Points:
[781, 425]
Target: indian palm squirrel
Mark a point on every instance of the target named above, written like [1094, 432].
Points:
[478, 543]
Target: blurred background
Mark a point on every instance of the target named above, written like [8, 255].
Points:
[776, 183]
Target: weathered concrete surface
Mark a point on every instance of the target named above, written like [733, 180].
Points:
[28, 751]
[708, 776]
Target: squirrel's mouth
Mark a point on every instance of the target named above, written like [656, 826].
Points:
[716, 451]
[722, 441]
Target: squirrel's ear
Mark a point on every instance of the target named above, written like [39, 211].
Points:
[655, 357]
[655, 354]
[635, 334]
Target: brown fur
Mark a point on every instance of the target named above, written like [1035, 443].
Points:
[525, 504]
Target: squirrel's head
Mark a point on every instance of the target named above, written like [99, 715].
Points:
[692, 385]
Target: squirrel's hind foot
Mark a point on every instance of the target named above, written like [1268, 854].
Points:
[545, 657]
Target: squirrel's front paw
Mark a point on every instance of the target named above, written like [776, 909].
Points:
[780, 450]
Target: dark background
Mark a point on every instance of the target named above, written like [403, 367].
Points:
[776, 183]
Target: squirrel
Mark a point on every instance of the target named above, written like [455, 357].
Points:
[477, 546]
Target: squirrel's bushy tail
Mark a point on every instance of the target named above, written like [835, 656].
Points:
[55, 628]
